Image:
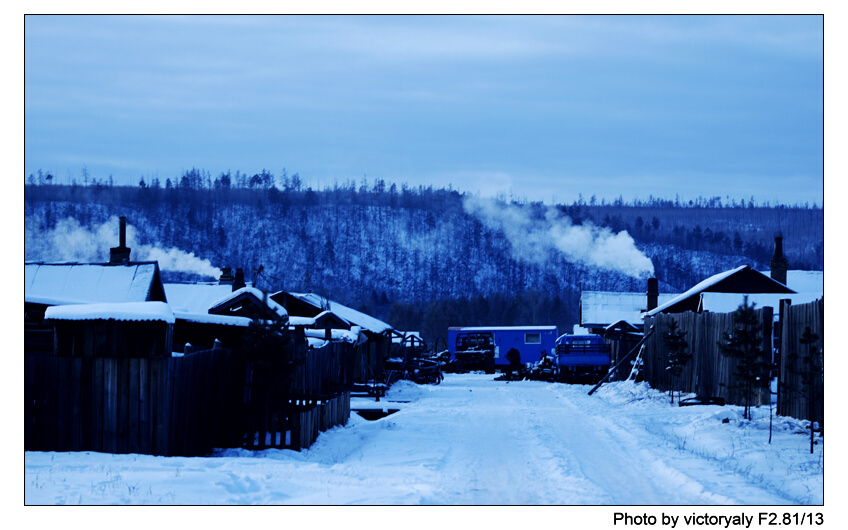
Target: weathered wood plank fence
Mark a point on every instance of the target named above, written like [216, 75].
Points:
[709, 373]
[160, 406]
[183, 406]
[794, 319]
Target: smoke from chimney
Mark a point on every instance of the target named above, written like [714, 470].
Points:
[532, 239]
[70, 241]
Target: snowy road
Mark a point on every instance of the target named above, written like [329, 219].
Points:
[475, 441]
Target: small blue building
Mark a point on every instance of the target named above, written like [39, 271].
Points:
[488, 346]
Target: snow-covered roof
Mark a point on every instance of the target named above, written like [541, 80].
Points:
[728, 302]
[626, 325]
[337, 335]
[803, 281]
[75, 283]
[603, 307]
[314, 321]
[353, 316]
[505, 328]
[195, 297]
[260, 295]
[706, 284]
[302, 321]
[126, 311]
[316, 344]
[206, 318]
[400, 336]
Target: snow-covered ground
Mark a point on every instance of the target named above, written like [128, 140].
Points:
[475, 441]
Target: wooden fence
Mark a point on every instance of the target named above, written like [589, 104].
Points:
[290, 422]
[184, 406]
[160, 406]
[708, 373]
[289, 408]
[325, 370]
[793, 358]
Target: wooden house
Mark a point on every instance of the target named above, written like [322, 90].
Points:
[121, 330]
[194, 325]
[58, 284]
[741, 280]
[371, 353]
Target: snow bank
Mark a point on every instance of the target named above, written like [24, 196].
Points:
[472, 440]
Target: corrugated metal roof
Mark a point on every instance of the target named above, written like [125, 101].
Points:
[604, 307]
[126, 311]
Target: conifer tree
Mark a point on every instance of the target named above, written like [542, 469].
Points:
[745, 344]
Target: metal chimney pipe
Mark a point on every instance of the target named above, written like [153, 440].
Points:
[120, 254]
[653, 293]
[123, 231]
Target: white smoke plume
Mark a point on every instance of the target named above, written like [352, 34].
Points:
[533, 239]
[70, 241]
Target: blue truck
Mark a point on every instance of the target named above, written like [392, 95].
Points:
[485, 348]
[582, 358]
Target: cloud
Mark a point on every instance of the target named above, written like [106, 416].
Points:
[534, 238]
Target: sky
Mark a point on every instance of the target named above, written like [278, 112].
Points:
[538, 108]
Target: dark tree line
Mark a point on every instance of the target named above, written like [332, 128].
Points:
[412, 255]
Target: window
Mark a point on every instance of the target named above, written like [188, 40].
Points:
[532, 338]
[475, 341]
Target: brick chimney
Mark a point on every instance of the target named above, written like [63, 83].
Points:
[120, 254]
[778, 263]
[238, 282]
[653, 293]
[226, 276]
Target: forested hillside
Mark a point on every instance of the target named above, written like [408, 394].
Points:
[419, 258]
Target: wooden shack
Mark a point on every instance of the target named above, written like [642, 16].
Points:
[370, 354]
[56, 284]
[122, 330]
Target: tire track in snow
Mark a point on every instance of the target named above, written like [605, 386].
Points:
[639, 468]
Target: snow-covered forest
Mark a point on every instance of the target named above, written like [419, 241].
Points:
[420, 258]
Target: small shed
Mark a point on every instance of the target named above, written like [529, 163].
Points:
[600, 309]
[119, 330]
[251, 303]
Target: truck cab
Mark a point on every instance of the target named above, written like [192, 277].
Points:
[582, 358]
